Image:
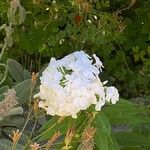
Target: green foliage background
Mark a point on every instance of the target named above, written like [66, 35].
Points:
[120, 36]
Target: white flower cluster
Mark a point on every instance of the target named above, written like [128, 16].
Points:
[73, 84]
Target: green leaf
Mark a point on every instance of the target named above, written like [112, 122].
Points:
[112, 144]
[23, 91]
[129, 140]
[101, 140]
[41, 119]
[49, 123]
[102, 136]
[125, 112]
[26, 74]
[13, 121]
[103, 123]
[3, 89]
[7, 145]
[16, 111]
[2, 97]
[52, 126]
[24, 137]
[15, 69]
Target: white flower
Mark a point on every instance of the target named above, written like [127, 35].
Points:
[112, 94]
[98, 62]
[72, 84]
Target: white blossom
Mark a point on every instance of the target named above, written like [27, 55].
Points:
[112, 94]
[72, 84]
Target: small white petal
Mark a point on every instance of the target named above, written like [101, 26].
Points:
[98, 62]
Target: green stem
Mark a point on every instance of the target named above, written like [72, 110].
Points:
[29, 141]
[33, 128]
[14, 146]
[26, 121]
[44, 132]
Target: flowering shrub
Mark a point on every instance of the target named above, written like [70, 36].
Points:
[72, 84]
[39, 29]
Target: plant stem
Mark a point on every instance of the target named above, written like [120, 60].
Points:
[26, 121]
[33, 128]
[14, 146]
[29, 141]
[44, 131]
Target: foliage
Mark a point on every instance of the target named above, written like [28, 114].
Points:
[107, 28]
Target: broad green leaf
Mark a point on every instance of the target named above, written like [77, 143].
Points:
[23, 139]
[3, 89]
[7, 145]
[112, 143]
[13, 121]
[101, 121]
[15, 111]
[23, 91]
[128, 140]
[125, 112]
[2, 97]
[26, 74]
[102, 136]
[100, 140]
[41, 119]
[49, 123]
[15, 69]
[52, 126]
